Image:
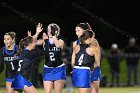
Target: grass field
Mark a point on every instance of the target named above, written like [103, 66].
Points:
[102, 90]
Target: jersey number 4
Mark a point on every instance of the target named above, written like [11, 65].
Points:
[80, 61]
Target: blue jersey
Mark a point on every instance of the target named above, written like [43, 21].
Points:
[19, 82]
[26, 60]
[8, 57]
[54, 68]
[77, 42]
[54, 58]
[54, 73]
[96, 74]
[81, 77]
[82, 58]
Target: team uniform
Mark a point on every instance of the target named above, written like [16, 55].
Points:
[26, 59]
[54, 68]
[8, 57]
[81, 77]
[96, 73]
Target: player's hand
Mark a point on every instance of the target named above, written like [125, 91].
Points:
[29, 33]
[39, 28]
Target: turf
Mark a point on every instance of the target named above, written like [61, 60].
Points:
[102, 90]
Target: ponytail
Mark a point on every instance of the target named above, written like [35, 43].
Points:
[87, 34]
[81, 38]
[21, 46]
[24, 43]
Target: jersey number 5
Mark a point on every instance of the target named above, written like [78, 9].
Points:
[80, 61]
[20, 61]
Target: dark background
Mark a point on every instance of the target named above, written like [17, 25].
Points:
[123, 14]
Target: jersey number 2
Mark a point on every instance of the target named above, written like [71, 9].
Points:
[52, 58]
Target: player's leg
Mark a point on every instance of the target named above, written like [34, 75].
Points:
[30, 89]
[58, 86]
[9, 89]
[83, 90]
[95, 86]
[48, 86]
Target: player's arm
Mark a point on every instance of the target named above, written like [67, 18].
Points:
[35, 53]
[1, 66]
[1, 62]
[74, 45]
[95, 43]
[58, 43]
[38, 52]
[38, 30]
[41, 41]
[93, 51]
[73, 55]
[97, 56]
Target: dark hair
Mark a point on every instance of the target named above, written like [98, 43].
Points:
[55, 28]
[84, 26]
[11, 34]
[24, 43]
[87, 34]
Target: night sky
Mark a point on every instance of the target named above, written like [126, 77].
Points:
[122, 14]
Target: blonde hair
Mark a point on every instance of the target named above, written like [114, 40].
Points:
[56, 27]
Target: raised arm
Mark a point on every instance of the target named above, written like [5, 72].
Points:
[41, 41]
[1, 63]
[73, 55]
[38, 30]
[58, 43]
[29, 33]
